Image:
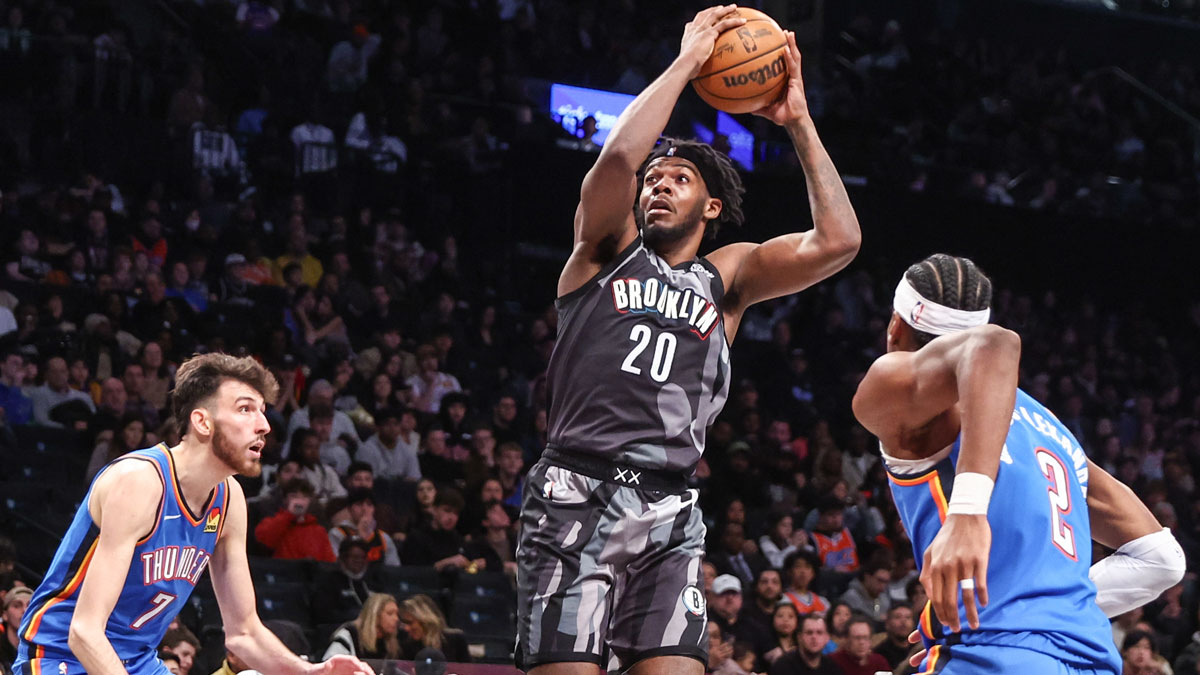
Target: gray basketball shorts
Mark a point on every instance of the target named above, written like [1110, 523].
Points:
[608, 573]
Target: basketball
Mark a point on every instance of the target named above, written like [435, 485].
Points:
[747, 69]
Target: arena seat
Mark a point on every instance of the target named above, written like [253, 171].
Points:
[483, 617]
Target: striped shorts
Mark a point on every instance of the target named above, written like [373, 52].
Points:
[608, 571]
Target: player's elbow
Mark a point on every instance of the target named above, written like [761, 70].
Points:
[81, 636]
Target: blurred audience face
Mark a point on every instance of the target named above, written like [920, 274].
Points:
[784, 620]
[802, 574]
[57, 374]
[728, 605]
[323, 426]
[899, 623]
[389, 619]
[362, 479]
[769, 587]
[12, 370]
[491, 491]
[354, 560]
[877, 582]
[134, 380]
[813, 636]
[112, 396]
[858, 639]
[426, 493]
[445, 518]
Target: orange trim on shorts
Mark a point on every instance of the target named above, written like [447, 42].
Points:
[35, 663]
[935, 489]
[66, 592]
[927, 620]
[935, 652]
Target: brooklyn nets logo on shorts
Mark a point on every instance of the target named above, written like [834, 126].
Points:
[693, 600]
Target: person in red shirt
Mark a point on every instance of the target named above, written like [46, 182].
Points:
[855, 657]
[294, 533]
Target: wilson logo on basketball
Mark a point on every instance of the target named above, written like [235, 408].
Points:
[757, 76]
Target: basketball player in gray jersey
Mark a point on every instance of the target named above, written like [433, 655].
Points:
[612, 539]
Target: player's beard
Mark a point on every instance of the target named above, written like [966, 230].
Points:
[233, 456]
[657, 236]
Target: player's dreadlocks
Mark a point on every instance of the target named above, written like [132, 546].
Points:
[720, 177]
[948, 280]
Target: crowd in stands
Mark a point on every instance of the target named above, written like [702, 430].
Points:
[331, 238]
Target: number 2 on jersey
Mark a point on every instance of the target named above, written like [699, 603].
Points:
[664, 353]
[1059, 493]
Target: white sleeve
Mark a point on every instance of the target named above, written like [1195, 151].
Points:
[1137, 572]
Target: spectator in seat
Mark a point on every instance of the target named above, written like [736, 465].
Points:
[55, 392]
[15, 602]
[360, 524]
[341, 593]
[170, 662]
[387, 453]
[320, 394]
[726, 606]
[835, 546]
[17, 407]
[184, 645]
[495, 540]
[785, 632]
[782, 539]
[758, 614]
[442, 546]
[720, 651]
[374, 634]
[426, 628]
[293, 533]
[318, 474]
[855, 656]
[429, 385]
[894, 647]
[335, 450]
[510, 469]
[732, 558]
[801, 570]
[867, 594]
[809, 658]
[129, 435]
[113, 403]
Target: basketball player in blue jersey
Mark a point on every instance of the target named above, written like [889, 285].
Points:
[978, 467]
[612, 540]
[151, 523]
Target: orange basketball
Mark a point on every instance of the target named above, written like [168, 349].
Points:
[747, 69]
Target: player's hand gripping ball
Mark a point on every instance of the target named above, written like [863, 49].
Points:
[747, 70]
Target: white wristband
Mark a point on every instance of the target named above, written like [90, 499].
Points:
[972, 492]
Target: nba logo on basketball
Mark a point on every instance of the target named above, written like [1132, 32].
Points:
[214, 519]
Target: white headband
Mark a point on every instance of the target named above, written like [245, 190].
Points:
[930, 317]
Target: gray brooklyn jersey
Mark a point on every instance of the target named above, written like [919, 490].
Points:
[641, 365]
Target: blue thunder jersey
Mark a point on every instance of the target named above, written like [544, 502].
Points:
[165, 567]
[1040, 596]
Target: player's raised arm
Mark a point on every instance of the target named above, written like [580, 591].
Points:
[245, 634]
[604, 218]
[977, 370]
[124, 504]
[793, 262]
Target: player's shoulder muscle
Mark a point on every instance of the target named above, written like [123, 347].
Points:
[131, 488]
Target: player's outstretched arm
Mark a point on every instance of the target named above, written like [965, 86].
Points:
[1147, 560]
[604, 218]
[793, 262]
[124, 504]
[245, 634]
[977, 370]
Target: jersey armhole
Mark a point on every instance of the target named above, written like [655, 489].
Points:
[718, 282]
[161, 500]
[612, 265]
